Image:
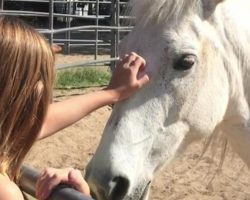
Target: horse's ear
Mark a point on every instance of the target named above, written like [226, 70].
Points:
[217, 1]
[209, 6]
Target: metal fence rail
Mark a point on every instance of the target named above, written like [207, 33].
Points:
[70, 24]
[28, 182]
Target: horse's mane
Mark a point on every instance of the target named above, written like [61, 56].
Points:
[157, 11]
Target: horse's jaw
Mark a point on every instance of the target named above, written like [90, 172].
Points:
[145, 195]
[136, 196]
[123, 170]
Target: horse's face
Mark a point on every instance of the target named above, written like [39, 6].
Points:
[185, 100]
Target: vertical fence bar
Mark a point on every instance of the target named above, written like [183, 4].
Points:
[74, 8]
[118, 26]
[96, 31]
[1, 4]
[51, 21]
[113, 32]
[68, 24]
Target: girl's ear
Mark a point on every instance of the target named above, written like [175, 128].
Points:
[56, 48]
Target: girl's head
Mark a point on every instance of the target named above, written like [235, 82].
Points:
[26, 79]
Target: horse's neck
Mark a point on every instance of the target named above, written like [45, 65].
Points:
[235, 30]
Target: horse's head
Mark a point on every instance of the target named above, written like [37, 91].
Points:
[186, 99]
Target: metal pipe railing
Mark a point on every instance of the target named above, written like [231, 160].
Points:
[47, 14]
[72, 35]
[62, 192]
[86, 63]
[63, 1]
[78, 28]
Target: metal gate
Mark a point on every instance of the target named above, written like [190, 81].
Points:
[80, 26]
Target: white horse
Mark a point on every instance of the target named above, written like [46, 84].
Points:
[198, 54]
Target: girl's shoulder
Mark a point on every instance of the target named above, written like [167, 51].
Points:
[9, 190]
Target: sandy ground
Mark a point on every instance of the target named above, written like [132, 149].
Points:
[187, 178]
[183, 179]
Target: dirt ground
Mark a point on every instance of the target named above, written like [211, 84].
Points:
[187, 178]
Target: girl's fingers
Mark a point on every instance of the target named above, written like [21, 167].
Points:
[51, 178]
[130, 59]
[138, 63]
[143, 80]
[44, 175]
[129, 76]
[121, 60]
[125, 56]
[47, 186]
[77, 181]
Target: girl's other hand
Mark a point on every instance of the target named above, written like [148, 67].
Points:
[51, 177]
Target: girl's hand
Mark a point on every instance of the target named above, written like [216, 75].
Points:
[51, 177]
[129, 76]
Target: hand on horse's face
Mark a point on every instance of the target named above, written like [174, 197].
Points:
[129, 76]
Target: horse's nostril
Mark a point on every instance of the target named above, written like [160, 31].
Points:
[119, 188]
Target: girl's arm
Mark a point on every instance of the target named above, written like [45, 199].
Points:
[128, 77]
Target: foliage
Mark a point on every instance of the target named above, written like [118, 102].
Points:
[84, 77]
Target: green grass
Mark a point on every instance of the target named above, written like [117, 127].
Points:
[83, 77]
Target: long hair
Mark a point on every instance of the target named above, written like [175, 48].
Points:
[26, 81]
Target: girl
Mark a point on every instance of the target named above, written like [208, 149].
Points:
[26, 113]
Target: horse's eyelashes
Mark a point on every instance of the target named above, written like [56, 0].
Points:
[185, 62]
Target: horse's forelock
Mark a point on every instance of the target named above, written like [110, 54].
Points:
[156, 11]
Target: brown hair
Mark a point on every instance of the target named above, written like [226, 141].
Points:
[26, 80]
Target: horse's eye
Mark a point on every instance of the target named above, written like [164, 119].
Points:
[186, 62]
